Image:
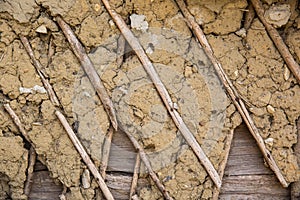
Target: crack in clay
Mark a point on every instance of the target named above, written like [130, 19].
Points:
[183, 176]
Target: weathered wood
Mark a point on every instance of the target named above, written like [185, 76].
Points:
[119, 181]
[245, 158]
[254, 186]
[255, 196]
[250, 165]
[122, 154]
[39, 166]
[246, 176]
[43, 187]
[119, 184]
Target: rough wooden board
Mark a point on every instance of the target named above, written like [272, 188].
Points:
[43, 187]
[250, 165]
[253, 187]
[122, 154]
[254, 184]
[245, 157]
[246, 177]
[119, 181]
[119, 185]
[39, 166]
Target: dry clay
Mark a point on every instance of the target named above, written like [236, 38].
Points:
[257, 71]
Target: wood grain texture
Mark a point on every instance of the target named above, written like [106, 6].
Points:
[43, 187]
[245, 157]
[122, 154]
[246, 176]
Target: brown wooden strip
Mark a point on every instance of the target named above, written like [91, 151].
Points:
[246, 176]
[43, 187]
[122, 154]
[265, 185]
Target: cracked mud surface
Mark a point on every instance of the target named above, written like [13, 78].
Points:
[250, 60]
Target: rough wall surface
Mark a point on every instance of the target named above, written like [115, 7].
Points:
[249, 58]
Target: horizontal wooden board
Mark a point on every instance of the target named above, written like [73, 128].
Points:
[119, 185]
[253, 187]
[246, 176]
[122, 154]
[44, 188]
[245, 157]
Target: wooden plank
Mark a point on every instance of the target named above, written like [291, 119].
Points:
[43, 187]
[246, 165]
[245, 157]
[39, 166]
[122, 154]
[247, 168]
[246, 176]
[120, 183]
[258, 186]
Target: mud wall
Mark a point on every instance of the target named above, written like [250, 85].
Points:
[248, 56]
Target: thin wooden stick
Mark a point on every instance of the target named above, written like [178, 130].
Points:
[281, 46]
[38, 67]
[135, 176]
[121, 50]
[216, 191]
[108, 138]
[84, 156]
[17, 121]
[231, 91]
[106, 152]
[145, 160]
[89, 69]
[249, 16]
[31, 163]
[189, 137]
[32, 153]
